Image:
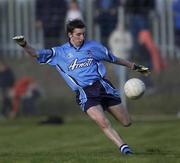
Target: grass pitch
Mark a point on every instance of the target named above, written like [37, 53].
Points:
[81, 141]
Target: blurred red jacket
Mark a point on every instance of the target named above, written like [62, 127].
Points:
[20, 88]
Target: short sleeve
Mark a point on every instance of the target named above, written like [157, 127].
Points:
[100, 52]
[47, 56]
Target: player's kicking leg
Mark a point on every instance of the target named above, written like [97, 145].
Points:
[97, 114]
[120, 113]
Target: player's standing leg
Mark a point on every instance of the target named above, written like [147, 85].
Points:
[97, 114]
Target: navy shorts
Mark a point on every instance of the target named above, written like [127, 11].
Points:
[97, 95]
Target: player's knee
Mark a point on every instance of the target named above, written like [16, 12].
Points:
[104, 123]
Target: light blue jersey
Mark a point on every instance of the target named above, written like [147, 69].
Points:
[79, 67]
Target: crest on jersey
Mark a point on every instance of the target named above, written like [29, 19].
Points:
[89, 53]
[69, 55]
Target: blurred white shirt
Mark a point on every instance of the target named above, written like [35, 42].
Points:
[73, 14]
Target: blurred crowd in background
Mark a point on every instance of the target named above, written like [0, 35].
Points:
[17, 94]
[128, 27]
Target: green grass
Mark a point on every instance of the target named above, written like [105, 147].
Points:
[81, 141]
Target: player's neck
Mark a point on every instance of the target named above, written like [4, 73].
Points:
[74, 45]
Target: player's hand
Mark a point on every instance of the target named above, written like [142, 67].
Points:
[142, 69]
[20, 40]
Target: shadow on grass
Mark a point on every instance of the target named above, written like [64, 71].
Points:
[157, 151]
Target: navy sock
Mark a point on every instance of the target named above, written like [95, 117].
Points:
[125, 149]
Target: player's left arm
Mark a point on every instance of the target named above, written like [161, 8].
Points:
[102, 53]
[133, 66]
[123, 62]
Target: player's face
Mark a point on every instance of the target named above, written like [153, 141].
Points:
[77, 36]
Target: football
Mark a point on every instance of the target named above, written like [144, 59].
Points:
[134, 88]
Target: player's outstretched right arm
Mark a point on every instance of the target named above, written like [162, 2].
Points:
[20, 40]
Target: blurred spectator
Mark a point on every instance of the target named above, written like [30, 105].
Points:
[25, 92]
[106, 15]
[7, 80]
[82, 5]
[176, 10]
[73, 11]
[50, 15]
[120, 42]
[139, 26]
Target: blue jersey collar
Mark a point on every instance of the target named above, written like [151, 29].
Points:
[76, 47]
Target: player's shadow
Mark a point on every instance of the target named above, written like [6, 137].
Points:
[157, 151]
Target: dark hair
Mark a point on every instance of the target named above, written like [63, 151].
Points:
[76, 23]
